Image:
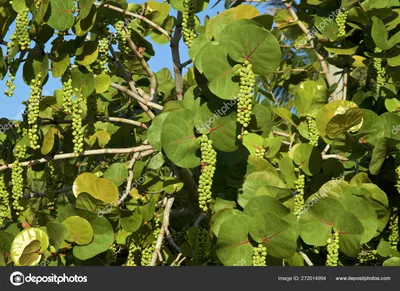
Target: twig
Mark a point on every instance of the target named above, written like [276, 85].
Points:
[199, 219]
[345, 76]
[40, 194]
[147, 148]
[281, 133]
[292, 139]
[306, 259]
[145, 66]
[177, 259]
[176, 59]
[321, 59]
[338, 157]
[165, 224]
[326, 149]
[187, 63]
[141, 17]
[183, 211]
[171, 240]
[141, 100]
[103, 118]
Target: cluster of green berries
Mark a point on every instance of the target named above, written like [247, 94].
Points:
[394, 228]
[22, 31]
[333, 250]
[121, 36]
[260, 152]
[67, 92]
[313, 134]
[366, 256]
[10, 85]
[5, 211]
[380, 71]
[133, 250]
[110, 256]
[77, 128]
[202, 247]
[398, 179]
[17, 177]
[147, 253]
[208, 161]
[341, 22]
[245, 97]
[37, 4]
[103, 54]
[315, 250]
[33, 111]
[259, 256]
[188, 22]
[299, 197]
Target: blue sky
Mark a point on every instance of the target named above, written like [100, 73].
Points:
[12, 107]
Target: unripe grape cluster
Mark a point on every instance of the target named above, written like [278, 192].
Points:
[366, 256]
[394, 229]
[22, 31]
[333, 250]
[260, 152]
[17, 178]
[245, 96]
[188, 22]
[313, 134]
[398, 179]
[110, 256]
[147, 253]
[380, 71]
[33, 111]
[259, 256]
[5, 211]
[133, 250]
[10, 85]
[208, 161]
[299, 197]
[121, 36]
[103, 54]
[67, 92]
[341, 22]
[77, 123]
[37, 4]
[202, 247]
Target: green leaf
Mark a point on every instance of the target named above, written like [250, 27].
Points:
[275, 233]
[212, 60]
[100, 188]
[131, 221]
[178, 139]
[351, 232]
[308, 158]
[101, 83]
[79, 230]
[341, 123]
[379, 33]
[28, 246]
[117, 173]
[57, 233]
[154, 132]
[309, 96]
[247, 41]
[61, 14]
[392, 262]
[232, 245]
[317, 223]
[82, 79]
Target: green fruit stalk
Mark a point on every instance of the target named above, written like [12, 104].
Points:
[17, 178]
[299, 197]
[259, 256]
[341, 22]
[394, 228]
[333, 250]
[313, 135]
[33, 111]
[77, 123]
[208, 162]
[188, 22]
[245, 97]
[5, 210]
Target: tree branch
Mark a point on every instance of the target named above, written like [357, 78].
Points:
[135, 15]
[176, 59]
[148, 148]
[103, 118]
[301, 25]
[165, 224]
[145, 66]
[306, 259]
[140, 99]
